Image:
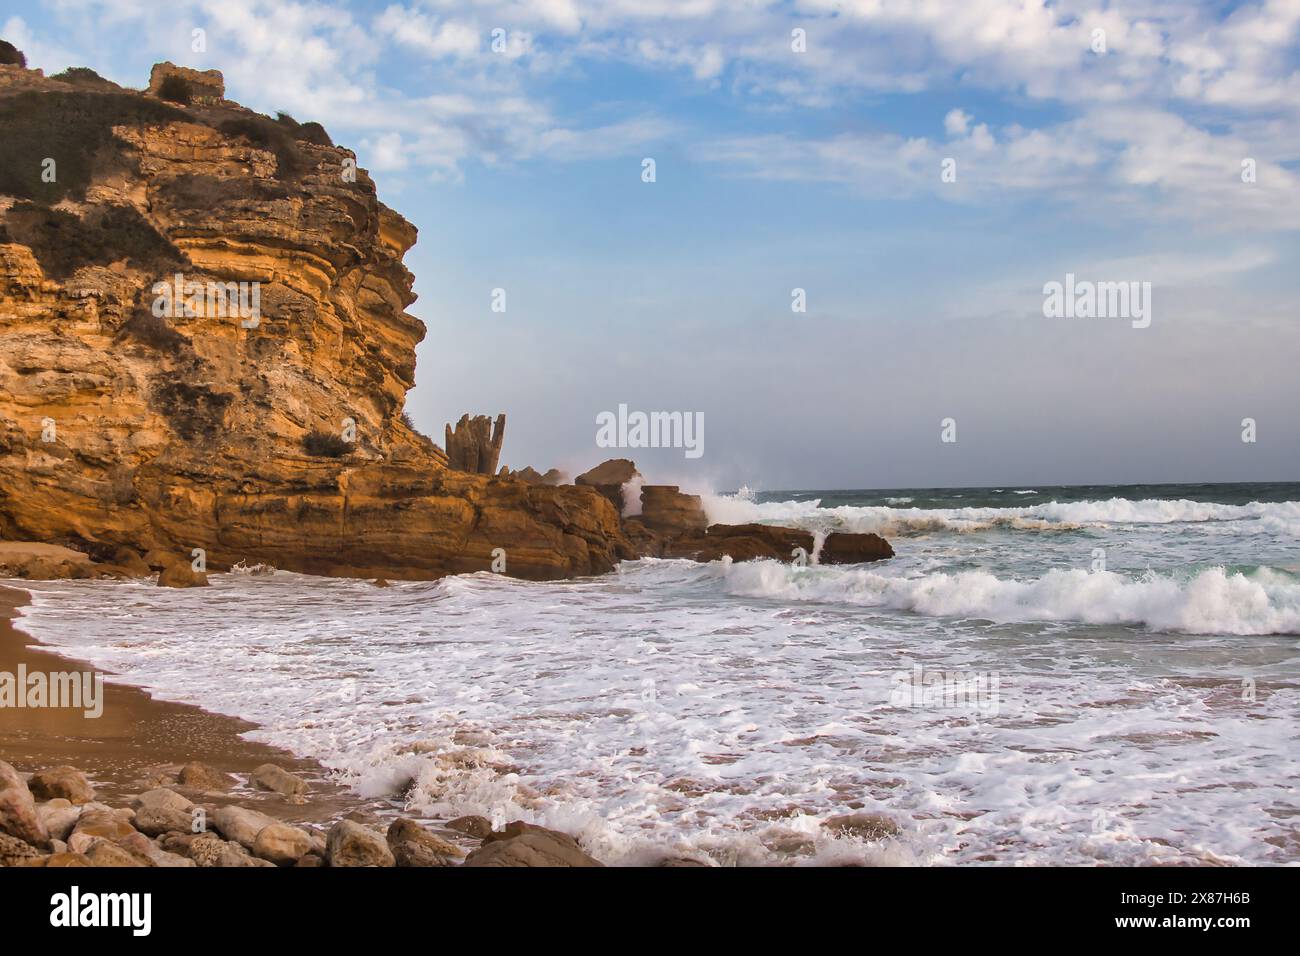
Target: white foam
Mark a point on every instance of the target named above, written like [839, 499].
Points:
[1211, 602]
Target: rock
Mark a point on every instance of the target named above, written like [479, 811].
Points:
[59, 817]
[18, 816]
[200, 776]
[529, 846]
[68, 859]
[140, 846]
[156, 560]
[158, 820]
[665, 510]
[104, 853]
[13, 851]
[351, 844]
[532, 477]
[278, 780]
[281, 844]
[65, 782]
[478, 827]
[203, 442]
[110, 825]
[205, 85]
[311, 859]
[241, 824]
[843, 548]
[474, 445]
[412, 845]
[864, 826]
[380, 583]
[161, 798]
[130, 561]
[615, 471]
[181, 575]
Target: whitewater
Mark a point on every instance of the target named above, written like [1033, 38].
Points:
[1042, 676]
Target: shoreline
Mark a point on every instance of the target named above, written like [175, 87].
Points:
[139, 737]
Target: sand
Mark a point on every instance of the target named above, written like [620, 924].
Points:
[136, 734]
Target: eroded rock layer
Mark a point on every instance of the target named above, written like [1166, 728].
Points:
[273, 437]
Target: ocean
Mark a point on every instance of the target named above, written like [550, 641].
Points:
[1043, 675]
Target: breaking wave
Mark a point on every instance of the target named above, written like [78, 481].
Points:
[1214, 601]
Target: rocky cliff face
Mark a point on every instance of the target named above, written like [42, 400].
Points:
[261, 422]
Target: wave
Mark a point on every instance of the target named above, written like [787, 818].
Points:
[1263, 601]
[1276, 517]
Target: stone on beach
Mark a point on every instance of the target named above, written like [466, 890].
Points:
[864, 826]
[59, 817]
[474, 826]
[413, 845]
[281, 843]
[200, 776]
[524, 844]
[351, 844]
[241, 824]
[181, 575]
[67, 783]
[278, 780]
[18, 816]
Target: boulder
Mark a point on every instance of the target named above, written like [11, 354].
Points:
[141, 847]
[68, 859]
[351, 844]
[59, 817]
[474, 826]
[200, 776]
[241, 824]
[15, 852]
[278, 780]
[65, 782]
[180, 575]
[18, 816]
[615, 471]
[845, 548]
[281, 844]
[130, 561]
[521, 844]
[412, 845]
[157, 820]
[92, 825]
[104, 853]
[666, 511]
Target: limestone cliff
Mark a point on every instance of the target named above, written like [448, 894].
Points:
[260, 424]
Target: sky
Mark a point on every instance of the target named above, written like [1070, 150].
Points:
[921, 170]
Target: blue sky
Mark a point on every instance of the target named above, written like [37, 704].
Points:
[819, 170]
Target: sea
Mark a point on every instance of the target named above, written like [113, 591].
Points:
[1041, 676]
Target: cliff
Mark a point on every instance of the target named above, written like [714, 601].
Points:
[261, 422]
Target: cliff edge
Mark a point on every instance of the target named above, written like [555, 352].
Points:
[206, 346]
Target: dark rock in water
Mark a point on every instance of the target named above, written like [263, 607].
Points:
[472, 825]
[852, 548]
[666, 511]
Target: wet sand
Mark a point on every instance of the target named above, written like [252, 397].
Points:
[136, 735]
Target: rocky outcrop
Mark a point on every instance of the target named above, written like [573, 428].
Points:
[475, 444]
[665, 510]
[532, 476]
[749, 542]
[202, 84]
[141, 407]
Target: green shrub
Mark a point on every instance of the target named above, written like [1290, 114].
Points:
[85, 77]
[265, 133]
[325, 445]
[312, 133]
[64, 243]
[71, 128]
[10, 55]
[176, 89]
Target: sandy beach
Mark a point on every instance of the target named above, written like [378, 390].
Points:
[137, 735]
